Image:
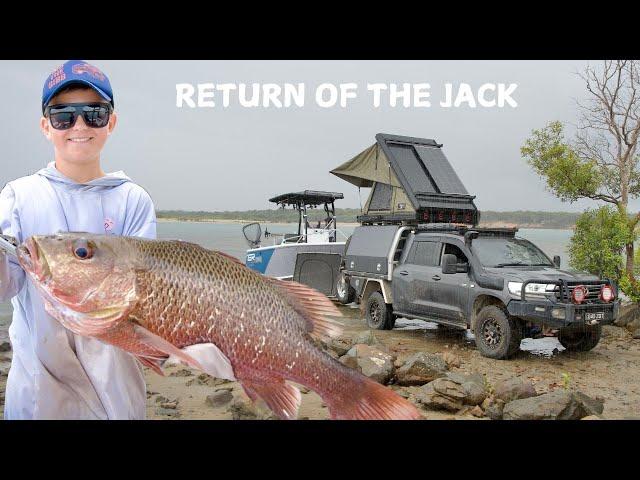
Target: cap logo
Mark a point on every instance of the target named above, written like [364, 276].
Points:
[56, 77]
[82, 68]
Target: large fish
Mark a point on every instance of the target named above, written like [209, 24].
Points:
[157, 299]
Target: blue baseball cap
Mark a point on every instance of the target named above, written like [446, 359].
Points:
[76, 71]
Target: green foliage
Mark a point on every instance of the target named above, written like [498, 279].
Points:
[566, 380]
[597, 244]
[567, 176]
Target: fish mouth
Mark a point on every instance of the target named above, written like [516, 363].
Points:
[32, 261]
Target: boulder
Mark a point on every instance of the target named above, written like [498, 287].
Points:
[430, 398]
[365, 338]
[495, 409]
[218, 399]
[514, 389]
[557, 405]
[5, 347]
[477, 412]
[636, 334]
[370, 361]
[628, 313]
[472, 386]
[451, 359]
[591, 406]
[421, 368]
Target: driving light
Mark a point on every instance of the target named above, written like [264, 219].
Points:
[606, 293]
[579, 294]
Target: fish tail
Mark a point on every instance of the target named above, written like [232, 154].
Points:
[369, 401]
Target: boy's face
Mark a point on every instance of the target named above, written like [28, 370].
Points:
[79, 144]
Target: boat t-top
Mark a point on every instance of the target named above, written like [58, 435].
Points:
[322, 236]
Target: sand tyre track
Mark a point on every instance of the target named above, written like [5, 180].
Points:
[497, 334]
[345, 292]
[378, 313]
[580, 339]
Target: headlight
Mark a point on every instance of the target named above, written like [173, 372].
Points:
[515, 288]
[534, 289]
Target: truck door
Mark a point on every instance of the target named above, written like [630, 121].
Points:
[412, 291]
[452, 289]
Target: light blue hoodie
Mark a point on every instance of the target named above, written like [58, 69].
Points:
[54, 373]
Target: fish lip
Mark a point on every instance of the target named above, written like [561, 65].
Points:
[32, 261]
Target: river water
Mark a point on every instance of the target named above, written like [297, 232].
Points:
[228, 238]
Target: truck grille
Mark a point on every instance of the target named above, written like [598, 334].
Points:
[593, 289]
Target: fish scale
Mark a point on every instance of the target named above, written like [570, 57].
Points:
[176, 295]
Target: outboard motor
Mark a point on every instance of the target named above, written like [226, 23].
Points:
[252, 233]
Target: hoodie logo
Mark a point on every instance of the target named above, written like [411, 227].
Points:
[108, 224]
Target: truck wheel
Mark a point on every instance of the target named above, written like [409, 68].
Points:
[580, 339]
[378, 313]
[346, 293]
[497, 334]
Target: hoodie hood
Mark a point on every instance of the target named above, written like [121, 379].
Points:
[110, 180]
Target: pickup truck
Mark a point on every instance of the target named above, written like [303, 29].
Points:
[502, 287]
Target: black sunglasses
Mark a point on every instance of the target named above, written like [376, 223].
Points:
[64, 116]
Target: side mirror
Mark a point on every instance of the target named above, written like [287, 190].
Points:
[556, 261]
[449, 263]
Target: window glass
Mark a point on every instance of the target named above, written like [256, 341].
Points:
[455, 250]
[425, 253]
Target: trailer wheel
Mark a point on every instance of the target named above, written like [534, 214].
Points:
[580, 339]
[378, 313]
[497, 334]
[346, 293]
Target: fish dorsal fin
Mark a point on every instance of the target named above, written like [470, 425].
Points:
[230, 257]
[312, 306]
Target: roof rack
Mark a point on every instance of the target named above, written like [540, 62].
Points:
[462, 229]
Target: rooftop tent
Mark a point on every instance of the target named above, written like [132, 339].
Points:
[411, 181]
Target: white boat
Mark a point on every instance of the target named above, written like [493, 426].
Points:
[276, 255]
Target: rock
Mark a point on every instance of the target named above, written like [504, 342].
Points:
[170, 405]
[340, 345]
[421, 368]
[204, 379]
[633, 325]
[451, 359]
[472, 386]
[226, 389]
[591, 417]
[5, 347]
[371, 362]
[171, 412]
[477, 412]
[636, 334]
[365, 338]
[161, 399]
[495, 410]
[183, 372]
[591, 406]
[514, 389]
[218, 399]
[430, 398]
[241, 410]
[557, 405]
[627, 314]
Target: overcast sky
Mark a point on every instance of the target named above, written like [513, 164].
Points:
[236, 158]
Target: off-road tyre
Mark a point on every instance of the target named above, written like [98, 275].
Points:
[378, 313]
[581, 339]
[344, 291]
[498, 335]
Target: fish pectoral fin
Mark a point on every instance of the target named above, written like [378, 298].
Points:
[154, 364]
[282, 398]
[145, 337]
[312, 306]
[213, 361]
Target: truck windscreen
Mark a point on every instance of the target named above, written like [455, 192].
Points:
[508, 252]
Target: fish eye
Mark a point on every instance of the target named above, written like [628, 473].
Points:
[82, 249]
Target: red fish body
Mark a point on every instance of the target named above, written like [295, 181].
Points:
[160, 298]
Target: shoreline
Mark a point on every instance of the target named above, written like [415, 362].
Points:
[227, 221]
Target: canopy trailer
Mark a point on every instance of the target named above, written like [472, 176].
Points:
[411, 182]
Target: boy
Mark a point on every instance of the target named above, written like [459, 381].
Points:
[54, 373]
